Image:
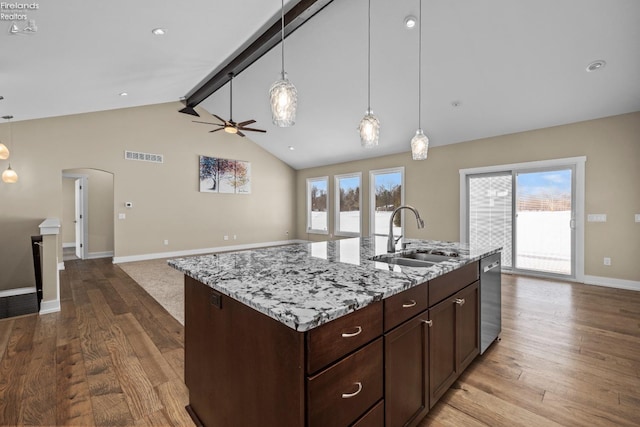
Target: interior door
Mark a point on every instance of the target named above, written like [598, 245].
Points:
[79, 218]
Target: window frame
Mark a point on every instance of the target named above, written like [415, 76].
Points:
[372, 197]
[310, 182]
[336, 211]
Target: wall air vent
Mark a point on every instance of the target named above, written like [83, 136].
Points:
[143, 157]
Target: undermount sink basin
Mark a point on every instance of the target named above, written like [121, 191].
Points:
[399, 260]
[415, 258]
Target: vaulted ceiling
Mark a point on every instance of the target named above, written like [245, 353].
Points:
[489, 68]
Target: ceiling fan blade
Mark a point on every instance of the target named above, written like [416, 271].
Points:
[219, 118]
[239, 133]
[255, 130]
[207, 123]
[248, 122]
[215, 130]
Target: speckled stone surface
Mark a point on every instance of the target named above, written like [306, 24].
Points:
[308, 284]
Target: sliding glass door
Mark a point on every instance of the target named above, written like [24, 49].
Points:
[544, 216]
[530, 213]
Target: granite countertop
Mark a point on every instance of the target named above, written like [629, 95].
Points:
[305, 285]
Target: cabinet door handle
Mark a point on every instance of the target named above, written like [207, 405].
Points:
[409, 304]
[350, 395]
[428, 322]
[352, 334]
[460, 301]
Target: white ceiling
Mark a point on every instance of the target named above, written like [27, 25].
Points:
[513, 66]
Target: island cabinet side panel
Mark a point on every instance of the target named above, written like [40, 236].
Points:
[241, 366]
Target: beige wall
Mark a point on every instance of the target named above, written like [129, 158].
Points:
[612, 148]
[100, 210]
[167, 203]
[67, 228]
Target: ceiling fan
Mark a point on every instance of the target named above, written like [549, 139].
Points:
[230, 126]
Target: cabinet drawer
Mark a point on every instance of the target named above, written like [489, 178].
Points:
[331, 341]
[340, 394]
[405, 305]
[447, 285]
[373, 418]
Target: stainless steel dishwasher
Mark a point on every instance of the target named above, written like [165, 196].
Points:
[490, 300]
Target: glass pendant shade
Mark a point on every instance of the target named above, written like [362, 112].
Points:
[419, 145]
[4, 152]
[10, 176]
[284, 102]
[369, 130]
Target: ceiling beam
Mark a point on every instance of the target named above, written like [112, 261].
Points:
[261, 42]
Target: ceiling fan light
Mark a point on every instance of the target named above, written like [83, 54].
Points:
[231, 129]
[4, 152]
[419, 145]
[369, 130]
[284, 102]
[10, 176]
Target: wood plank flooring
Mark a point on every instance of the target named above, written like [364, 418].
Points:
[569, 356]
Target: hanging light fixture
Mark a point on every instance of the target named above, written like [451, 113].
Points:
[420, 142]
[283, 94]
[4, 152]
[9, 176]
[369, 125]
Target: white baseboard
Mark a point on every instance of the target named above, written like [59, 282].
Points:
[17, 291]
[95, 255]
[612, 283]
[52, 306]
[61, 266]
[191, 252]
[69, 245]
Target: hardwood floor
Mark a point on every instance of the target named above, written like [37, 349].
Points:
[569, 355]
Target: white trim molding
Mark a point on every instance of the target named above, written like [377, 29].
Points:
[48, 307]
[50, 226]
[95, 255]
[612, 283]
[191, 252]
[61, 266]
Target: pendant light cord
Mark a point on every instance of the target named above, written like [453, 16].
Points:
[230, 97]
[282, 34]
[420, 65]
[369, 62]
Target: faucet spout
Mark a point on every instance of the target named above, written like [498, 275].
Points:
[391, 241]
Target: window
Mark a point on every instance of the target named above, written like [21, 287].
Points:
[348, 201]
[317, 205]
[387, 193]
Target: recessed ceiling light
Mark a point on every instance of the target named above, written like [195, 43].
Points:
[124, 94]
[596, 65]
[291, 147]
[456, 104]
[1, 97]
[159, 31]
[410, 21]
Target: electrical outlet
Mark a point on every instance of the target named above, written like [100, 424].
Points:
[607, 261]
[122, 216]
[226, 237]
[637, 217]
[235, 237]
[597, 218]
[166, 242]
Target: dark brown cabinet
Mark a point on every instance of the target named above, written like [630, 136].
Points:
[406, 352]
[454, 339]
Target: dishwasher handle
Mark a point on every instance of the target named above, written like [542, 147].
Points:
[491, 266]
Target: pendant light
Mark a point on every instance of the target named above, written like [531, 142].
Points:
[420, 142]
[283, 94]
[369, 125]
[4, 152]
[9, 176]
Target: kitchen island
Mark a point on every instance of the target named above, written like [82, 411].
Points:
[320, 334]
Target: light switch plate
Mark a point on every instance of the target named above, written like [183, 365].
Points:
[597, 218]
[122, 216]
[637, 217]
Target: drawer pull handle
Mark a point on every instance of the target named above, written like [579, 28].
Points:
[409, 304]
[460, 301]
[428, 322]
[350, 395]
[353, 334]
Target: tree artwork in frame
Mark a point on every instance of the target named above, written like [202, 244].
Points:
[224, 176]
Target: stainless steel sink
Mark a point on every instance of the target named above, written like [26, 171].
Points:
[416, 258]
[398, 259]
